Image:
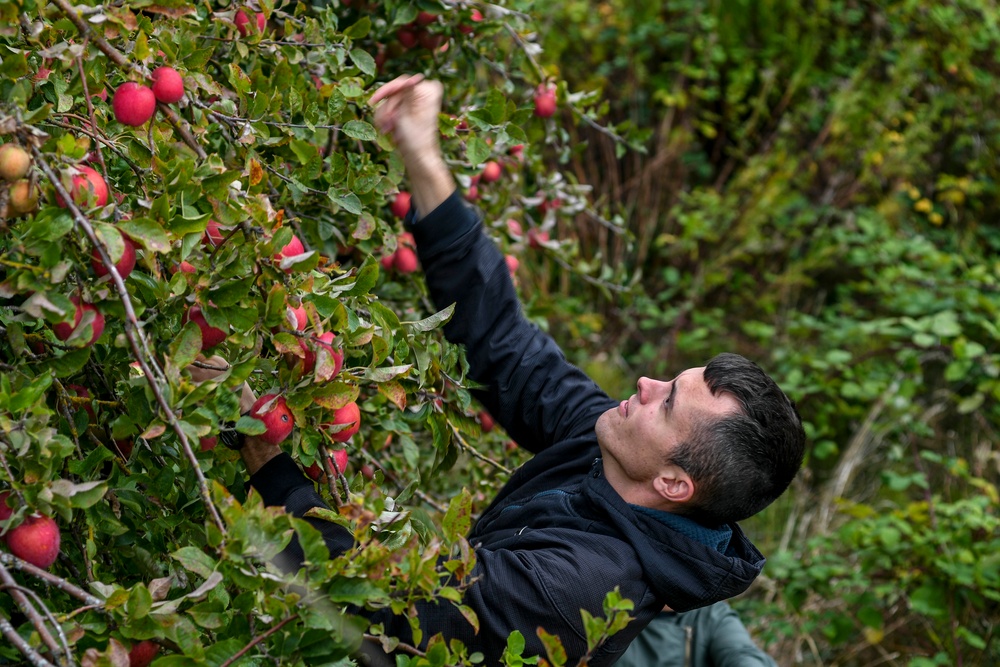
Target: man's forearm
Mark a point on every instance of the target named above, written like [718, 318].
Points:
[431, 182]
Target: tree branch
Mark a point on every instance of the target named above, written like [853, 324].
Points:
[258, 639]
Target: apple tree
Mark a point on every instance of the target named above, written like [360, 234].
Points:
[197, 188]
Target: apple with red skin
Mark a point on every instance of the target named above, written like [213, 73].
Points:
[310, 348]
[86, 182]
[537, 237]
[545, 100]
[208, 443]
[273, 411]
[125, 263]
[514, 228]
[210, 336]
[475, 17]
[168, 85]
[186, 267]
[407, 37]
[14, 162]
[405, 260]
[293, 248]
[63, 330]
[349, 414]
[213, 234]
[401, 204]
[242, 21]
[486, 421]
[512, 264]
[36, 541]
[83, 392]
[134, 104]
[5, 511]
[143, 653]
[548, 204]
[492, 171]
[340, 459]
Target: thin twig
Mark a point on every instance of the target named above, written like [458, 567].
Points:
[474, 452]
[8, 631]
[8, 583]
[258, 639]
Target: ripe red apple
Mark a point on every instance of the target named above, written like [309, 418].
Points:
[14, 162]
[186, 267]
[405, 260]
[476, 17]
[21, 198]
[134, 104]
[168, 85]
[210, 336]
[492, 171]
[213, 234]
[486, 421]
[314, 471]
[401, 204]
[125, 263]
[63, 330]
[208, 443]
[273, 411]
[537, 237]
[512, 264]
[407, 37]
[310, 349]
[545, 100]
[514, 228]
[143, 653]
[340, 458]
[5, 511]
[430, 40]
[349, 414]
[36, 540]
[82, 392]
[298, 315]
[549, 204]
[293, 248]
[87, 182]
[242, 21]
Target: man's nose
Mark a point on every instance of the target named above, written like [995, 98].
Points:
[648, 388]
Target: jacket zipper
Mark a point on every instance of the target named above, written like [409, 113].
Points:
[688, 636]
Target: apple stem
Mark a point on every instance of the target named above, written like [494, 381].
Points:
[136, 338]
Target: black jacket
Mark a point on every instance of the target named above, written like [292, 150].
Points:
[557, 538]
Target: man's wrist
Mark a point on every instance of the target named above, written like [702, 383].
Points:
[430, 179]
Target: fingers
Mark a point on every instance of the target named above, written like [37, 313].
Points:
[395, 86]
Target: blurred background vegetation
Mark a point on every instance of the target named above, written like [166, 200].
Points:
[813, 185]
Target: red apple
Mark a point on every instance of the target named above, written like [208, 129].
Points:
[36, 540]
[63, 330]
[545, 100]
[299, 316]
[293, 248]
[426, 18]
[311, 347]
[210, 336]
[514, 227]
[314, 471]
[537, 237]
[186, 267]
[213, 234]
[349, 414]
[5, 511]
[242, 21]
[407, 37]
[473, 193]
[168, 85]
[486, 421]
[87, 182]
[143, 653]
[405, 260]
[125, 263]
[208, 443]
[83, 392]
[492, 171]
[134, 104]
[401, 204]
[14, 162]
[273, 411]
[476, 17]
[512, 264]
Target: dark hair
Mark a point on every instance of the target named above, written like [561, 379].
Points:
[741, 463]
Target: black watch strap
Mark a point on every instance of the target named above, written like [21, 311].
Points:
[232, 438]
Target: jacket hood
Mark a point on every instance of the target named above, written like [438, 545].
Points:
[684, 573]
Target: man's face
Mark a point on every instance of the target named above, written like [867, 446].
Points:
[637, 436]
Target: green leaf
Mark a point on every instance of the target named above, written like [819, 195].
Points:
[346, 200]
[359, 29]
[458, 518]
[186, 346]
[250, 426]
[364, 61]
[553, 647]
[195, 560]
[931, 599]
[366, 278]
[477, 151]
[139, 602]
[433, 322]
[385, 374]
[147, 233]
[359, 129]
[70, 363]
[496, 106]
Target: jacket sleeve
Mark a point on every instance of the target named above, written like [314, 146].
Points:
[528, 385]
[730, 645]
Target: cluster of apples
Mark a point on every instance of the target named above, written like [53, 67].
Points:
[135, 103]
[35, 540]
[22, 196]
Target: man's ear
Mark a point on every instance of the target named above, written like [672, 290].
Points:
[674, 484]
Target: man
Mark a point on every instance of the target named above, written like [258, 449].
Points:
[712, 636]
[641, 494]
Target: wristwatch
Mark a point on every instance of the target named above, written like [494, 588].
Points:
[232, 438]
